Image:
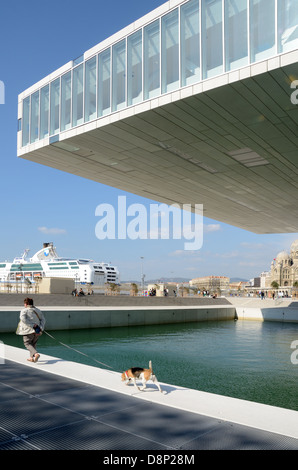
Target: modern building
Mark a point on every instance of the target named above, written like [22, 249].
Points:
[196, 103]
[265, 279]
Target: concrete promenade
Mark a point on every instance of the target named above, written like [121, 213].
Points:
[100, 300]
[57, 404]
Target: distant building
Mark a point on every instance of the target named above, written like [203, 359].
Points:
[238, 287]
[211, 283]
[265, 279]
[284, 268]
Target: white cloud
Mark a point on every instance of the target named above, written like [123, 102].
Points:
[187, 253]
[52, 231]
[253, 246]
[231, 254]
[212, 228]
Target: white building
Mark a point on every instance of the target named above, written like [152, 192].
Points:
[194, 103]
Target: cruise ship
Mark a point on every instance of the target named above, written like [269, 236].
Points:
[46, 263]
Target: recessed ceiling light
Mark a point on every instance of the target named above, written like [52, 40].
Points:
[185, 156]
[65, 146]
[248, 157]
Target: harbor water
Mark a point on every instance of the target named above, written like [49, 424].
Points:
[249, 360]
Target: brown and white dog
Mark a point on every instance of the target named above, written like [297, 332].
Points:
[140, 373]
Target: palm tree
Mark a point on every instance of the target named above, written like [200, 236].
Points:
[133, 288]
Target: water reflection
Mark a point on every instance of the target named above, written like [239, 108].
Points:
[249, 360]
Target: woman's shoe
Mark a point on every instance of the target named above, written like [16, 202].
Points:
[31, 359]
[36, 357]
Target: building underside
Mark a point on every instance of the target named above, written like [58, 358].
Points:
[229, 143]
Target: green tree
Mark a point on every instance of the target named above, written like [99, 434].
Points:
[134, 288]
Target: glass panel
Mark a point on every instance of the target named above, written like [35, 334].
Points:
[44, 111]
[55, 107]
[212, 47]
[262, 29]
[78, 60]
[104, 83]
[170, 52]
[190, 43]
[66, 101]
[151, 60]
[26, 121]
[236, 38]
[90, 89]
[287, 25]
[134, 68]
[77, 96]
[34, 124]
[119, 75]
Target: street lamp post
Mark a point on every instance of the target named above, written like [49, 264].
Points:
[142, 274]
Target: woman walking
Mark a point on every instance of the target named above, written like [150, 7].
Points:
[31, 326]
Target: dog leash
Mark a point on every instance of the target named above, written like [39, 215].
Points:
[80, 352]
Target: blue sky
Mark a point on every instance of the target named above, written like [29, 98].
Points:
[40, 204]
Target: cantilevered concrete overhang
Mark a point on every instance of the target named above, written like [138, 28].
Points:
[229, 143]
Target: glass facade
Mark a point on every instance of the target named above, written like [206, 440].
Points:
[262, 29]
[25, 121]
[170, 52]
[190, 38]
[55, 107]
[152, 60]
[65, 101]
[77, 95]
[287, 25]
[134, 68]
[190, 43]
[119, 76]
[212, 37]
[34, 122]
[90, 89]
[44, 111]
[104, 83]
[236, 43]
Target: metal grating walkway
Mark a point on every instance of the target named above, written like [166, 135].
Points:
[44, 411]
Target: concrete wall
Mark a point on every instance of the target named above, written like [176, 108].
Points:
[284, 310]
[286, 314]
[51, 285]
[64, 318]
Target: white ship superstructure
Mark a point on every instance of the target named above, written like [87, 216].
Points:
[46, 263]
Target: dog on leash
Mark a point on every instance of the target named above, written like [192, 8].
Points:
[144, 375]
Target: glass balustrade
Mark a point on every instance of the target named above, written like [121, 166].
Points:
[194, 41]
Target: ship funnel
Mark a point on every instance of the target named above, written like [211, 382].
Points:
[47, 252]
